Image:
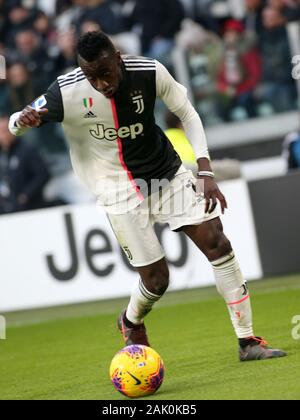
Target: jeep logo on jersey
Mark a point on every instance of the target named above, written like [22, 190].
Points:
[139, 102]
[112, 134]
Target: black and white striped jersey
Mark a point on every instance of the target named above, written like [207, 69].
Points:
[116, 147]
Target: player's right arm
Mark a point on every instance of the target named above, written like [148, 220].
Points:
[46, 108]
[176, 99]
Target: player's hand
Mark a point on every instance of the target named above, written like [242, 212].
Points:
[30, 118]
[207, 188]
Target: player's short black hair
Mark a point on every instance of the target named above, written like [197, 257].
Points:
[93, 44]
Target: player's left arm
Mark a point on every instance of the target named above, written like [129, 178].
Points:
[175, 97]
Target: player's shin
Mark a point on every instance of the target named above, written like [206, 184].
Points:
[232, 286]
[141, 303]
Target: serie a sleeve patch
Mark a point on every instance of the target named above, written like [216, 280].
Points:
[39, 103]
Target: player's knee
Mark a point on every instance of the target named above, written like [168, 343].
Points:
[157, 280]
[218, 247]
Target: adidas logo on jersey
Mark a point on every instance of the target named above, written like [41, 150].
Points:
[112, 134]
[90, 114]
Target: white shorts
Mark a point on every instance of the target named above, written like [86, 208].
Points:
[176, 205]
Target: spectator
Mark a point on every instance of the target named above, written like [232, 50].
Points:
[196, 40]
[277, 92]
[254, 19]
[21, 88]
[278, 87]
[203, 50]
[240, 72]
[31, 51]
[42, 26]
[18, 18]
[97, 11]
[279, 12]
[67, 59]
[23, 173]
[157, 21]
[202, 14]
[203, 47]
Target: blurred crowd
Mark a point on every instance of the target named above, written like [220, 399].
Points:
[237, 51]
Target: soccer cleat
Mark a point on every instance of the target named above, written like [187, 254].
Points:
[132, 335]
[258, 349]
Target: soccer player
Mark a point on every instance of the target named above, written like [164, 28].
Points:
[106, 108]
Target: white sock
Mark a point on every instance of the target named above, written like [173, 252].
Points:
[140, 303]
[232, 286]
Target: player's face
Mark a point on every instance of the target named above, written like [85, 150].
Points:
[104, 74]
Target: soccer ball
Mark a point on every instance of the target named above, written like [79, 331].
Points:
[137, 371]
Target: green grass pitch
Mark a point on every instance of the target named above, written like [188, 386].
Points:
[64, 353]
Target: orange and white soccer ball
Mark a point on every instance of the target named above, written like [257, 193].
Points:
[137, 371]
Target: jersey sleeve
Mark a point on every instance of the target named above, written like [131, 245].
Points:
[51, 100]
[169, 90]
[176, 99]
